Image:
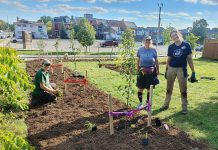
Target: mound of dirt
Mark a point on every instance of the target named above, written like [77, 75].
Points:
[60, 125]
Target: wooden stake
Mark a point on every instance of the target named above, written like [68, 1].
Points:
[85, 84]
[110, 117]
[65, 84]
[150, 100]
[62, 68]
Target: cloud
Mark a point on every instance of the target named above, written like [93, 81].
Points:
[199, 13]
[204, 2]
[45, 1]
[68, 8]
[16, 4]
[127, 18]
[128, 11]
[90, 1]
[119, 1]
[171, 14]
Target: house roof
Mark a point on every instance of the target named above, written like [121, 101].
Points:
[61, 19]
[130, 24]
[22, 21]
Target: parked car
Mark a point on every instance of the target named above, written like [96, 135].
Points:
[109, 43]
[199, 48]
[3, 36]
[14, 40]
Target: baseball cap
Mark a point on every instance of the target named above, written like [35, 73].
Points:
[147, 38]
[46, 62]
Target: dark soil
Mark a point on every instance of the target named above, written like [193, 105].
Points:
[60, 125]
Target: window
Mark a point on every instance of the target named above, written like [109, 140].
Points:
[24, 25]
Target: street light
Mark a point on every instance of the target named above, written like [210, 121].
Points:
[160, 5]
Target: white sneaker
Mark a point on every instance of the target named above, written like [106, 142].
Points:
[140, 106]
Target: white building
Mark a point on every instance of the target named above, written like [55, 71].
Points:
[38, 29]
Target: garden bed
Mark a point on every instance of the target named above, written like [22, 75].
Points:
[60, 125]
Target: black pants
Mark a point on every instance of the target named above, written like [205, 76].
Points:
[43, 98]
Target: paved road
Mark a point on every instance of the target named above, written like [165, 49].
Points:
[64, 45]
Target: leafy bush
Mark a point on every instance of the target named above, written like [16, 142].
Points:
[9, 141]
[13, 81]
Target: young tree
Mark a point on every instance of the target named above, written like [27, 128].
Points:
[41, 46]
[192, 39]
[56, 45]
[72, 33]
[63, 32]
[200, 29]
[127, 62]
[166, 35]
[86, 34]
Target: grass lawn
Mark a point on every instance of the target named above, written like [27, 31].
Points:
[202, 120]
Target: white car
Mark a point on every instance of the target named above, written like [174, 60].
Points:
[14, 40]
[3, 36]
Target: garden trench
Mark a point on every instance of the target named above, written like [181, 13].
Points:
[60, 125]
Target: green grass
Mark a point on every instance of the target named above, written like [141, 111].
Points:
[2, 40]
[200, 123]
[37, 52]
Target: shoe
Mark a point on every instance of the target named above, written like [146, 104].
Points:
[163, 108]
[139, 106]
[184, 112]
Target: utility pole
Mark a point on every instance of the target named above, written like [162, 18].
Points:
[160, 5]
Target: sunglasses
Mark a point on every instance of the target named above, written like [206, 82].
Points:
[47, 65]
[148, 40]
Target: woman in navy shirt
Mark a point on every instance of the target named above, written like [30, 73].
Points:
[179, 53]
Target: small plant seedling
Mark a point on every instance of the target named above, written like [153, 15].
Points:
[59, 93]
[90, 126]
[133, 126]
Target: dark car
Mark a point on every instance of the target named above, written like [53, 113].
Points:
[109, 43]
[199, 48]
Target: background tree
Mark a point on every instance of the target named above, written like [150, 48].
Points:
[63, 32]
[86, 34]
[76, 29]
[192, 39]
[200, 29]
[49, 27]
[45, 19]
[3, 25]
[166, 35]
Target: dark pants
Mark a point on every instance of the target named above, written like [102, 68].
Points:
[43, 98]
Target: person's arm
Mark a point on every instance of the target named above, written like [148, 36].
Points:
[47, 89]
[157, 66]
[168, 62]
[190, 62]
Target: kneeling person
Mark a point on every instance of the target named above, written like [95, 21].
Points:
[44, 92]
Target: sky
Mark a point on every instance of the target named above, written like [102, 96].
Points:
[176, 13]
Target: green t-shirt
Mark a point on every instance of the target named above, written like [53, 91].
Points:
[41, 77]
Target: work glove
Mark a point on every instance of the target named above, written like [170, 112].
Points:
[193, 78]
